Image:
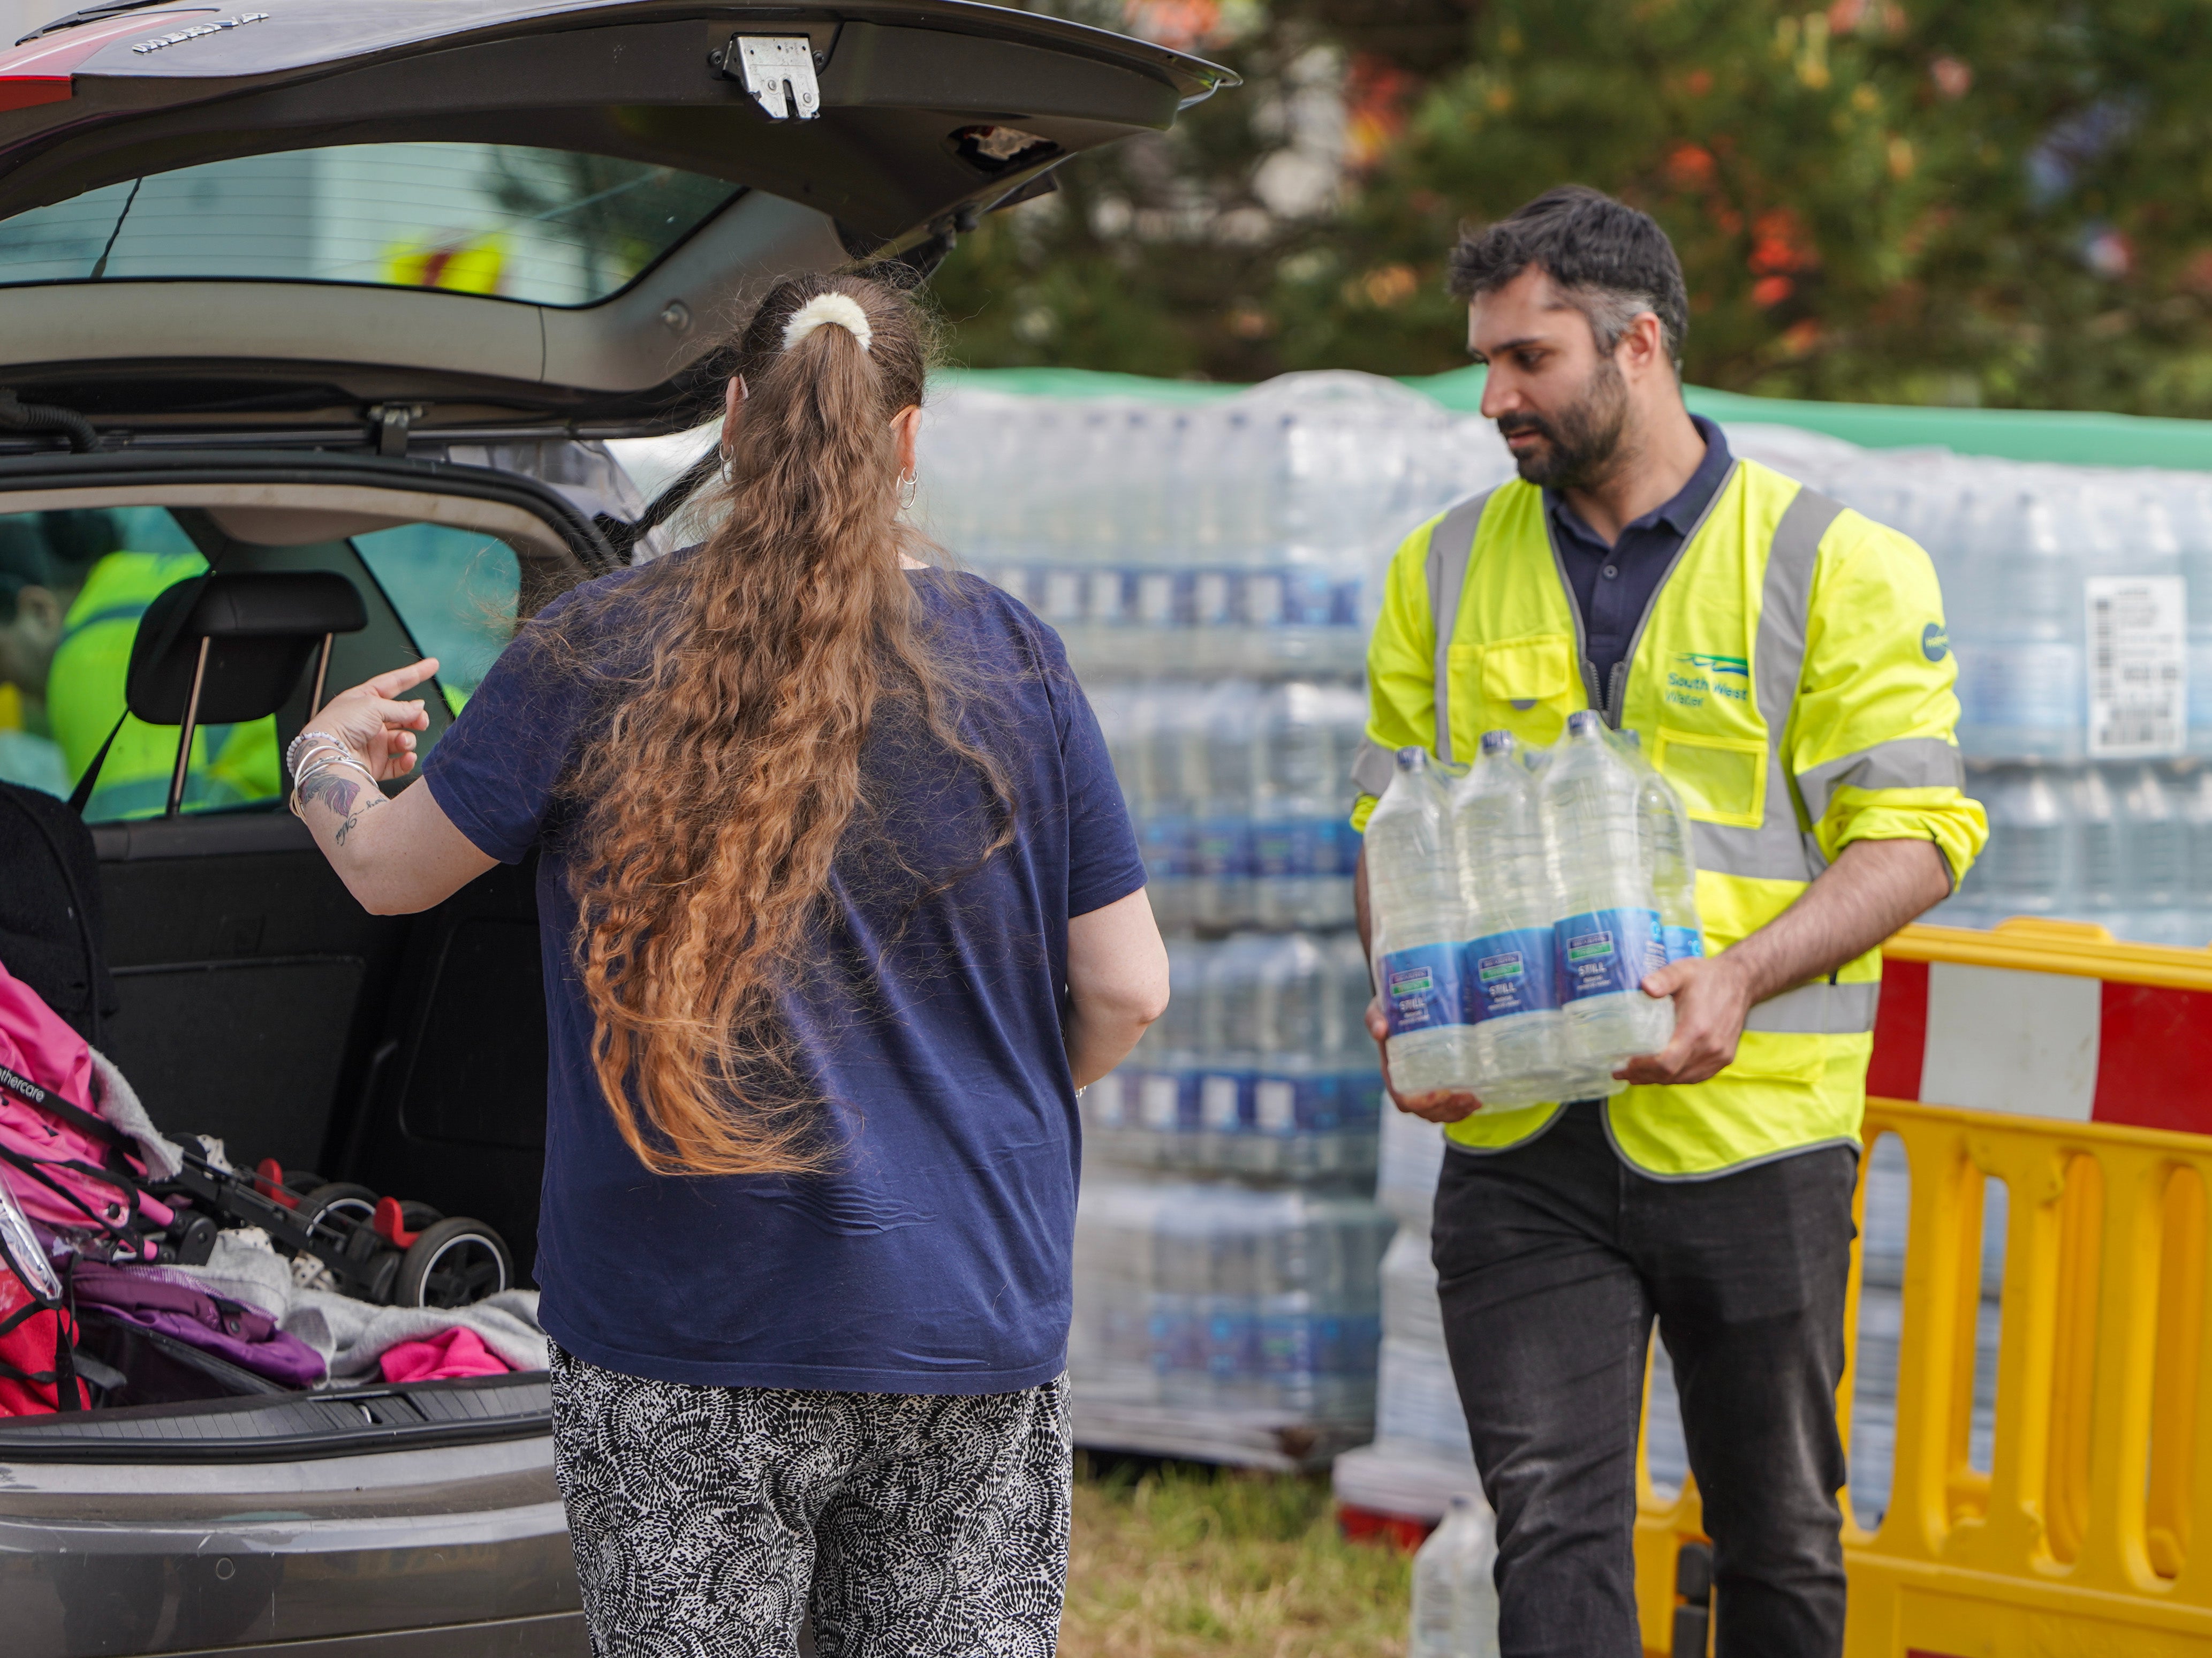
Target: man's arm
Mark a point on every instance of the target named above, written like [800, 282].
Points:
[1872, 889]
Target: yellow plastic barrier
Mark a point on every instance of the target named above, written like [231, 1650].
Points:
[2091, 1534]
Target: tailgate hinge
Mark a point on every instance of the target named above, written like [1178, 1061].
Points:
[393, 421]
[776, 69]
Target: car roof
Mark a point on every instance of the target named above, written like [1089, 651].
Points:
[164, 172]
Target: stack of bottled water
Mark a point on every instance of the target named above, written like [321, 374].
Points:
[2079, 603]
[1517, 912]
[1208, 567]
[1231, 536]
[1212, 1316]
[1420, 1458]
[1262, 1066]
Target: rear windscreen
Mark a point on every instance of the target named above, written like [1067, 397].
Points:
[549, 227]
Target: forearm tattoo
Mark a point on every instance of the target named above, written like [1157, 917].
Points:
[339, 794]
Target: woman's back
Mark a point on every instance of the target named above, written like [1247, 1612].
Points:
[925, 1019]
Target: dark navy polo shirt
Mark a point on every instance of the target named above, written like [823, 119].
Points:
[1614, 585]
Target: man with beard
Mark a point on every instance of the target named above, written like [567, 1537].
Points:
[1783, 663]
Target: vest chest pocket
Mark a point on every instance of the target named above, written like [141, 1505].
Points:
[1721, 779]
[1514, 679]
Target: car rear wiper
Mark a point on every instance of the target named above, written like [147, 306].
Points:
[89, 14]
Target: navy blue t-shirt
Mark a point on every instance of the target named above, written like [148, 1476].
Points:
[934, 1256]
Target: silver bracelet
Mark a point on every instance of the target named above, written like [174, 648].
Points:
[315, 753]
[292, 749]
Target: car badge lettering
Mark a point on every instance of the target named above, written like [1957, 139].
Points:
[197, 30]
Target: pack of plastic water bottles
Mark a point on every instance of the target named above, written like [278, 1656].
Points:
[1518, 908]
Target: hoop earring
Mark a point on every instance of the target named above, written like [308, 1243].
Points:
[909, 486]
[728, 473]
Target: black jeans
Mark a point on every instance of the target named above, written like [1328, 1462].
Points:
[1552, 1259]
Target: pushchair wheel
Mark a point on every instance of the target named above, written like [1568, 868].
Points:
[341, 1199]
[452, 1263]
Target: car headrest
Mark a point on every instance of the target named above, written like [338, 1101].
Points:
[262, 629]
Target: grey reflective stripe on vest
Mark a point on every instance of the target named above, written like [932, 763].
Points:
[1906, 762]
[1451, 545]
[1777, 850]
[1373, 767]
[1821, 1009]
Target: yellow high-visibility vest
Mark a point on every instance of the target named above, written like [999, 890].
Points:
[1791, 677]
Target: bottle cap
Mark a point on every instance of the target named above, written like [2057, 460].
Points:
[1584, 722]
[1412, 759]
[1498, 742]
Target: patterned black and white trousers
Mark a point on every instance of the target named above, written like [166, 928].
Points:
[707, 1520]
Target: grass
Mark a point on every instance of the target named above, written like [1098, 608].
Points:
[1173, 1561]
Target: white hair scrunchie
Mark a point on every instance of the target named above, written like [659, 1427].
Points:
[842, 309]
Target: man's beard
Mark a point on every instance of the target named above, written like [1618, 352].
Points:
[1582, 442]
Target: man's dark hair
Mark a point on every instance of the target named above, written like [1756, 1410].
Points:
[1607, 260]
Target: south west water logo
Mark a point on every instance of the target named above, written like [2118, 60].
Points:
[1717, 665]
[1702, 671]
[1934, 641]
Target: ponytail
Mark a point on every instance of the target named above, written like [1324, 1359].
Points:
[712, 801]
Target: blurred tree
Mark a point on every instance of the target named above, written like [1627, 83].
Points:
[1926, 201]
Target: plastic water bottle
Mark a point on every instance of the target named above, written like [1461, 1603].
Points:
[2097, 827]
[2023, 690]
[1454, 1586]
[1665, 825]
[1509, 973]
[1302, 762]
[2153, 840]
[1609, 927]
[2029, 866]
[1222, 863]
[1413, 887]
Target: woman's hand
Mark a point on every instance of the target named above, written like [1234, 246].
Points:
[1443, 1105]
[378, 730]
[399, 856]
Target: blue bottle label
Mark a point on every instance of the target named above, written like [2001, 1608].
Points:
[1222, 848]
[1683, 941]
[1166, 843]
[1348, 843]
[1510, 972]
[1603, 951]
[1420, 987]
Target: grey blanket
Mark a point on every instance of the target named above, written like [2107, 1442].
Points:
[353, 1335]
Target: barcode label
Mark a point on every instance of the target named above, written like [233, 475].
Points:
[2138, 665]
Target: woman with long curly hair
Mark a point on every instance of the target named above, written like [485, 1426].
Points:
[839, 908]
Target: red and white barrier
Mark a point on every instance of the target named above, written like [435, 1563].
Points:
[1989, 1036]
